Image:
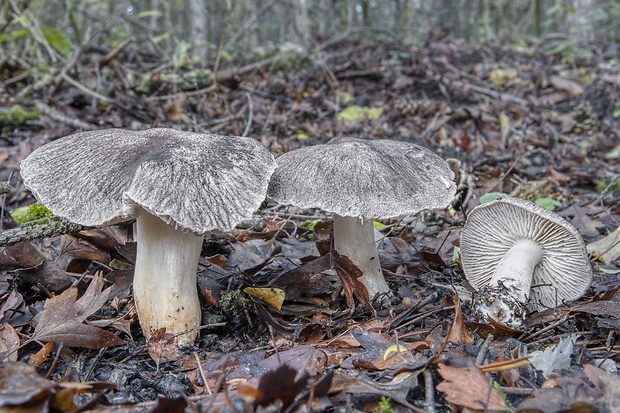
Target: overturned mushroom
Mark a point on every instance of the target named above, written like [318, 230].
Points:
[360, 180]
[521, 257]
[178, 186]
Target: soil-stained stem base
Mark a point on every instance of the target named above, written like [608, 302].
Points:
[505, 298]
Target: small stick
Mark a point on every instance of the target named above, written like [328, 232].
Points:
[429, 391]
[484, 348]
[202, 373]
[53, 366]
[5, 188]
[250, 115]
[55, 226]
[544, 330]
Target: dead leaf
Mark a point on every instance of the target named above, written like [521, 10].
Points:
[607, 248]
[39, 357]
[272, 296]
[303, 358]
[566, 85]
[162, 347]
[63, 316]
[279, 384]
[469, 387]
[11, 306]
[397, 389]
[9, 343]
[349, 275]
[75, 255]
[458, 332]
[177, 405]
[21, 388]
[606, 308]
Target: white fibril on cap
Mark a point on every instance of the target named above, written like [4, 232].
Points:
[522, 257]
[359, 180]
[178, 186]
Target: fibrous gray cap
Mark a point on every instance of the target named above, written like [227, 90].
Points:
[198, 182]
[366, 178]
[491, 229]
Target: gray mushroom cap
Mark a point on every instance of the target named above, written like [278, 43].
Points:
[491, 229]
[198, 182]
[366, 178]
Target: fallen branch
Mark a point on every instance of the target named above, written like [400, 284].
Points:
[54, 227]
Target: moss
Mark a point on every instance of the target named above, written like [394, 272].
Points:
[17, 115]
[232, 302]
[30, 213]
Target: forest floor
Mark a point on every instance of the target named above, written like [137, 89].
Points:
[537, 121]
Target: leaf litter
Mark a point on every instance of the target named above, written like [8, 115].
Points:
[528, 127]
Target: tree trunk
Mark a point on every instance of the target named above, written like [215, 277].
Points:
[199, 28]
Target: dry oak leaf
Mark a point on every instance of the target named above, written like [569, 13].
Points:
[63, 316]
[469, 387]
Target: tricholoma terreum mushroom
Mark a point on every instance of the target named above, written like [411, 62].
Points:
[521, 257]
[360, 180]
[178, 186]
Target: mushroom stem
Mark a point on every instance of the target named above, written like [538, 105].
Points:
[355, 238]
[505, 298]
[164, 283]
[516, 269]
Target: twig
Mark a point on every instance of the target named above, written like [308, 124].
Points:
[219, 383]
[73, 59]
[85, 90]
[269, 116]
[35, 32]
[484, 348]
[5, 188]
[517, 391]
[202, 373]
[544, 330]
[248, 125]
[61, 346]
[429, 391]
[62, 118]
[114, 52]
[54, 226]
[91, 370]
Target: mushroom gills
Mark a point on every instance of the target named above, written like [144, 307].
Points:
[505, 298]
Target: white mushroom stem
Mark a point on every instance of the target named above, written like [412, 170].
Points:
[355, 238]
[516, 269]
[164, 283]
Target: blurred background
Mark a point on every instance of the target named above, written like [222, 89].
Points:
[248, 26]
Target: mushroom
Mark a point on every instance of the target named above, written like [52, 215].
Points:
[521, 257]
[358, 181]
[178, 186]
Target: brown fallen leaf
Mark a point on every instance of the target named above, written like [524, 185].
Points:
[22, 389]
[279, 384]
[469, 387]
[162, 347]
[566, 85]
[304, 359]
[349, 275]
[458, 332]
[9, 342]
[63, 316]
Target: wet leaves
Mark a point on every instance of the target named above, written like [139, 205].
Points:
[23, 389]
[62, 319]
[469, 387]
[510, 124]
